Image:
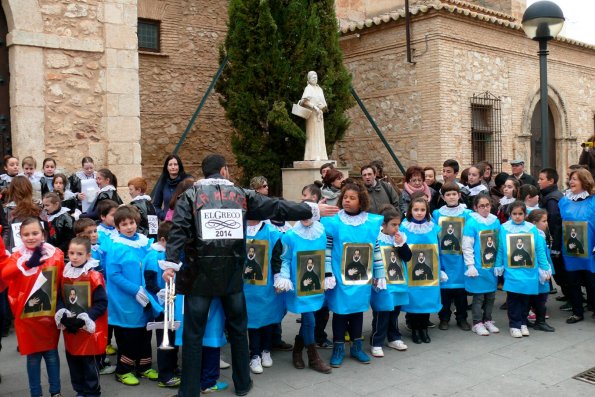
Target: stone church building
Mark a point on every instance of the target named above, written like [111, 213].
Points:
[120, 79]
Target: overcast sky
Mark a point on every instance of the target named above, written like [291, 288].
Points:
[580, 19]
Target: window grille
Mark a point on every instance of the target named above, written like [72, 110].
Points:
[486, 129]
[149, 35]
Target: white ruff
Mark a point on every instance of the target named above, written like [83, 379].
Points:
[506, 200]
[63, 210]
[141, 242]
[311, 232]
[417, 228]
[484, 221]
[578, 196]
[75, 272]
[452, 211]
[157, 247]
[474, 191]
[251, 231]
[107, 188]
[512, 227]
[47, 251]
[143, 197]
[385, 238]
[81, 175]
[213, 181]
[354, 220]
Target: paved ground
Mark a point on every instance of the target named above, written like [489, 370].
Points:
[455, 363]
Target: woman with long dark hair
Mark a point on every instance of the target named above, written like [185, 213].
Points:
[173, 173]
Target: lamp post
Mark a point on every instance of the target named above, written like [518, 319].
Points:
[542, 21]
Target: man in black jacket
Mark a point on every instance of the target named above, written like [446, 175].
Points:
[518, 171]
[380, 192]
[209, 226]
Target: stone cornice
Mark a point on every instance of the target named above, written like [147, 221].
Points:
[45, 40]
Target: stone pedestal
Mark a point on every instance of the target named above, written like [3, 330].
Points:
[303, 173]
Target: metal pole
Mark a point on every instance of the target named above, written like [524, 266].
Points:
[373, 123]
[201, 104]
[545, 149]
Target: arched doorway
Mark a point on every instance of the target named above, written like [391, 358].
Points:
[536, 161]
[5, 140]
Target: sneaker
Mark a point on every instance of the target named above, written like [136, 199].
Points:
[223, 365]
[219, 386]
[326, 344]
[128, 379]
[266, 359]
[377, 351]
[397, 345]
[256, 365]
[524, 330]
[338, 355]
[531, 316]
[347, 337]
[150, 374]
[566, 307]
[110, 350]
[516, 333]
[491, 327]
[108, 369]
[480, 329]
[173, 382]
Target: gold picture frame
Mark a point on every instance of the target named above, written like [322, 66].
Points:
[488, 248]
[256, 266]
[310, 266]
[43, 301]
[430, 272]
[394, 267]
[521, 250]
[451, 234]
[356, 264]
[575, 238]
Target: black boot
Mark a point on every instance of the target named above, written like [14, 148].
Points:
[540, 324]
[425, 337]
[415, 336]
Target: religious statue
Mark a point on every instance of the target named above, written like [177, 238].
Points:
[313, 100]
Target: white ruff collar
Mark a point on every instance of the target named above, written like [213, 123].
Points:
[353, 220]
[254, 229]
[157, 247]
[491, 218]
[142, 240]
[418, 228]
[512, 227]
[75, 272]
[452, 211]
[68, 195]
[312, 232]
[213, 181]
[578, 196]
[63, 210]
[6, 177]
[474, 191]
[107, 188]
[101, 228]
[143, 197]
[505, 200]
[47, 251]
[81, 175]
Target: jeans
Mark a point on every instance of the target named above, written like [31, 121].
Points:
[347, 322]
[385, 325]
[518, 309]
[459, 297]
[261, 339]
[481, 308]
[307, 328]
[52, 364]
[196, 309]
[210, 367]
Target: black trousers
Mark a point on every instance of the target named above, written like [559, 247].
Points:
[134, 349]
[167, 360]
[518, 309]
[84, 375]
[561, 276]
[537, 302]
[352, 323]
[321, 320]
[458, 296]
[418, 321]
[196, 311]
[261, 339]
[576, 280]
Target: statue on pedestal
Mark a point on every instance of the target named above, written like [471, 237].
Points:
[311, 107]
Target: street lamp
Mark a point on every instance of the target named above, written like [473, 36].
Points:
[542, 21]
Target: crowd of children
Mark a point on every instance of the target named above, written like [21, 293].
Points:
[86, 266]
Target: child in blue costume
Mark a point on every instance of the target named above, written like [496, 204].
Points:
[390, 282]
[577, 209]
[265, 307]
[480, 250]
[522, 260]
[451, 255]
[351, 235]
[106, 210]
[539, 218]
[167, 360]
[129, 303]
[302, 276]
[424, 288]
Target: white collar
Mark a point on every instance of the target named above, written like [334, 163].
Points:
[81, 175]
[107, 188]
[474, 191]
[512, 227]
[532, 208]
[418, 228]
[213, 181]
[143, 197]
[505, 200]
[105, 229]
[6, 177]
[452, 211]
[157, 247]
[491, 218]
[62, 211]
[140, 242]
[578, 196]
[75, 272]
[385, 238]
[254, 229]
[353, 220]
[47, 251]
[312, 232]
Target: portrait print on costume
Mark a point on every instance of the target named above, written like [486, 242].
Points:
[575, 239]
[488, 242]
[521, 250]
[393, 265]
[309, 272]
[76, 297]
[42, 298]
[356, 266]
[256, 268]
[451, 234]
[423, 270]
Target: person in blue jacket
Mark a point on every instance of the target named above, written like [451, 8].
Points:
[522, 259]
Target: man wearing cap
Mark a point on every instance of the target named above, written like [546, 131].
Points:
[518, 170]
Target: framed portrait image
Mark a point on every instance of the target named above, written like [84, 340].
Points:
[256, 267]
[42, 298]
[451, 234]
[488, 247]
[77, 297]
[423, 270]
[356, 266]
[521, 250]
[393, 265]
[310, 272]
[576, 242]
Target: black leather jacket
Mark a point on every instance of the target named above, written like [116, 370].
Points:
[145, 208]
[61, 231]
[214, 266]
